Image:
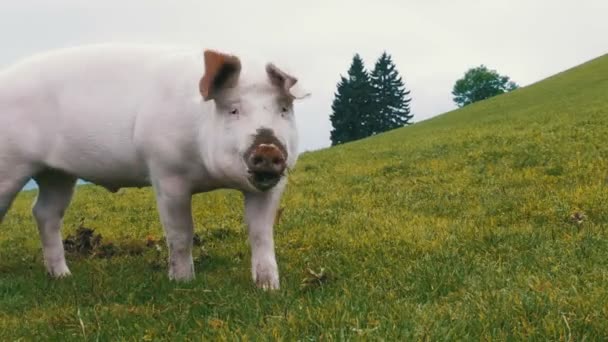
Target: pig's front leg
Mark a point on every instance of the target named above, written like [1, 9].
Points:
[260, 211]
[174, 200]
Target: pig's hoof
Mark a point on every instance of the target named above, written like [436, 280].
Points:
[181, 269]
[268, 286]
[59, 271]
[181, 277]
[266, 278]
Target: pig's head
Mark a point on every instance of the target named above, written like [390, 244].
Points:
[254, 138]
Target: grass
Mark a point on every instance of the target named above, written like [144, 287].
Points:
[489, 222]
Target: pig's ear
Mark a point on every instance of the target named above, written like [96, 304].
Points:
[221, 72]
[285, 82]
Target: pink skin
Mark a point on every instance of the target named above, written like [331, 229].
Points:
[124, 116]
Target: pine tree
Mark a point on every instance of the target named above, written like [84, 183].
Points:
[352, 105]
[342, 126]
[390, 99]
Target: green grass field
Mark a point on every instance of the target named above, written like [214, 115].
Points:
[489, 222]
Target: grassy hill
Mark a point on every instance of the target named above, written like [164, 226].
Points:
[487, 222]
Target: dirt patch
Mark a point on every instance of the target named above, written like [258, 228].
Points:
[313, 279]
[85, 242]
[577, 217]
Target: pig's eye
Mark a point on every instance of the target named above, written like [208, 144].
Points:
[284, 109]
[234, 111]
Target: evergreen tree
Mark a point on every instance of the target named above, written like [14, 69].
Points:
[390, 99]
[352, 105]
[342, 126]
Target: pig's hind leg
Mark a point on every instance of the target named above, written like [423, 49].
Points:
[54, 196]
[12, 179]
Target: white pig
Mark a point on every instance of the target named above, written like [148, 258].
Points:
[182, 121]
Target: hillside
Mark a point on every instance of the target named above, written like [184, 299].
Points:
[486, 222]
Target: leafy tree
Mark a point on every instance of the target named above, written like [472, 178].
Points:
[480, 83]
[390, 99]
[352, 105]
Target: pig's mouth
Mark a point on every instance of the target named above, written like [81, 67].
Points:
[264, 180]
[266, 160]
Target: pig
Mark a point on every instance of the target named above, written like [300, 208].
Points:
[183, 121]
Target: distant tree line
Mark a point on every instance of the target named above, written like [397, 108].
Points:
[366, 103]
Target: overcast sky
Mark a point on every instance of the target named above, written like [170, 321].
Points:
[432, 42]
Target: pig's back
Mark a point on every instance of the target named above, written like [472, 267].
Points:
[76, 109]
[96, 76]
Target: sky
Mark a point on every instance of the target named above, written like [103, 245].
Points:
[432, 42]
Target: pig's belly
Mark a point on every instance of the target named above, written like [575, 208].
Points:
[110, 162]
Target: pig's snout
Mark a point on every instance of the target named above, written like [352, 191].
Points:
[266, 165]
